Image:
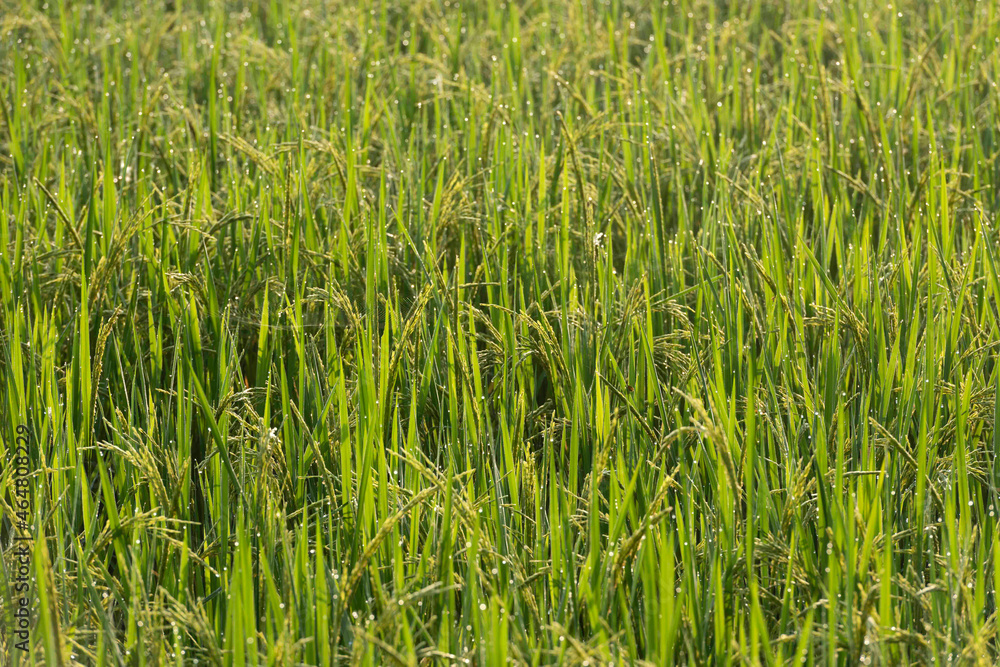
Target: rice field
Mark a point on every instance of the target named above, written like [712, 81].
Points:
[544, 332]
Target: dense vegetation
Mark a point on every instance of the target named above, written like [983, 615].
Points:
[574, 332]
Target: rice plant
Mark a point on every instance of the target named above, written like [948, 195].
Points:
[441, 332]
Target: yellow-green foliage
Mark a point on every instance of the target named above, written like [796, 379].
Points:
[478, 332]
